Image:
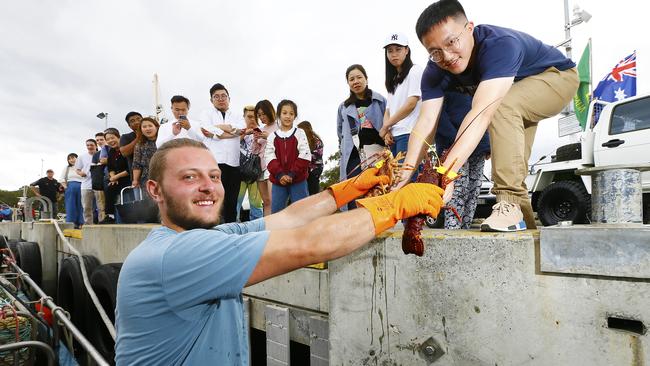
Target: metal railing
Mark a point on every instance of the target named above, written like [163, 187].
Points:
[59, 314]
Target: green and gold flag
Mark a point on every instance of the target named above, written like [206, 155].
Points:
[581, 99]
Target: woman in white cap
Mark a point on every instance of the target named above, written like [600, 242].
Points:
[403, 86]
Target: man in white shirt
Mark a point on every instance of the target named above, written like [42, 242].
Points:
[178, 126]
[82, 167]
[219, 131]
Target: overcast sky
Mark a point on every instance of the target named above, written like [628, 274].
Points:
[64, 62]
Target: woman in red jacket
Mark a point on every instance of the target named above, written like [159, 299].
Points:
[288, 156]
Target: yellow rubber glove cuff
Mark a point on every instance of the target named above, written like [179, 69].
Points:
[382, 211]
[410, 200]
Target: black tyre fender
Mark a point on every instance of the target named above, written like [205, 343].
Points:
[71, 292]
[104, 283]
[564, 201]
[12, 245]
[29, 255]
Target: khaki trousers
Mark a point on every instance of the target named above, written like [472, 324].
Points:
[87, 204]
[513, 126]
[99, 199]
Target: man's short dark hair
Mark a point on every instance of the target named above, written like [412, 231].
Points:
[159, 158]
[436, 13]
[180, 99]
[100, 133]
[218, 86]
[131, 114]
[93, 141]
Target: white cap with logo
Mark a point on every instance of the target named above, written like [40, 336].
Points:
[396, 38]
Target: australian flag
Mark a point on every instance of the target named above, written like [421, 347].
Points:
[620, 83]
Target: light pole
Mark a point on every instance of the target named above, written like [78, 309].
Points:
[104, 116]
[579, 16]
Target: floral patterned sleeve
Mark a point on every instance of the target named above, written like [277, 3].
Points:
[137, 157]
[317, 155]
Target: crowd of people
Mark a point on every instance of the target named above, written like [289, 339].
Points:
[288, 159]
[408, 120]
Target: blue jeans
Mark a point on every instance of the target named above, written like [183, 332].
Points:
[280, 194]
[73, 210]
[401, 143]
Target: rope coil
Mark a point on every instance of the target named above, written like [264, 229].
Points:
[13, 328]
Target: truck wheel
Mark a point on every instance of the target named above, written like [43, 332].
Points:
[104, 282]
[564, 201]
[569, 152]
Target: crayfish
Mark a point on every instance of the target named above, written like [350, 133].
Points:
[412, 239]
[390, 166]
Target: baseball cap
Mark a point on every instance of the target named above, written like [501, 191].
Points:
[396, 38]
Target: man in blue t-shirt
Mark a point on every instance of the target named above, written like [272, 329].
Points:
[179, 295]
[515, 80]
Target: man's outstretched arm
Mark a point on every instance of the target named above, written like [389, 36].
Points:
[334, 236]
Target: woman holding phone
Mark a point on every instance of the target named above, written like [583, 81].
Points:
[266, 114]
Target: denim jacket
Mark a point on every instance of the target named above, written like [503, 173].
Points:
[347, 116]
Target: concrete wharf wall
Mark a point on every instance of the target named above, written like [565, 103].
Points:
[480, 299]
[472, 299]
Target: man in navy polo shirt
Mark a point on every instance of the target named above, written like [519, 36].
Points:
[515, 80]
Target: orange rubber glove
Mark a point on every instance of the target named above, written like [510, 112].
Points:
[352, 188]
[411, 200]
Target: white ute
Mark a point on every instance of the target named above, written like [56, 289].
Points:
[620, 136]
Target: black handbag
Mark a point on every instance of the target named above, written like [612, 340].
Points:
[250, 167]
[139, 209]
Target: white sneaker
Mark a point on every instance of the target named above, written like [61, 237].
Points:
[505, 217]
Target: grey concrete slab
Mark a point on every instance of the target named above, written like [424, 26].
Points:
[319, 347]
[277, 335]
[112, 243]
[479, 299]
[603, 250]
[319, 327]
[305, 288]
[299, 329]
